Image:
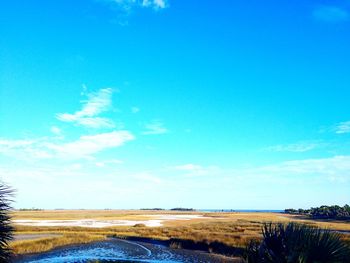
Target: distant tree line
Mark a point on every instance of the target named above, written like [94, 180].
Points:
[182, 209]
[323, 212]
[153, 209]
[30, 209]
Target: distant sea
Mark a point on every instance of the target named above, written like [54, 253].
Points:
[241, 210]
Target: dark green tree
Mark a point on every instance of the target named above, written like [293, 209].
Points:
[324, 212]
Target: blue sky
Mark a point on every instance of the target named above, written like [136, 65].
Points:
[135, 103]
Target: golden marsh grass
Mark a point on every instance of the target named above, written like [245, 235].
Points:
[233, 229]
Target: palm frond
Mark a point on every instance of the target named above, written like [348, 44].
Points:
[297, 243]
[6, 228]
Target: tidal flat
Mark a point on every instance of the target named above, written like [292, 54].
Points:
[119, 250]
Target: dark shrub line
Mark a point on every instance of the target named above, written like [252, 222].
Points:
[323, 212]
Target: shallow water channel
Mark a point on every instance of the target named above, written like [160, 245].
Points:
[117, 250]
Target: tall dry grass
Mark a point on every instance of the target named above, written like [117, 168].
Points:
[231, 234]
[46, 244]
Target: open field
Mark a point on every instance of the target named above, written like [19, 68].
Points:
[230, 229]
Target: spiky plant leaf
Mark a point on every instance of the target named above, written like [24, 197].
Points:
[297, 243]
[6, 228]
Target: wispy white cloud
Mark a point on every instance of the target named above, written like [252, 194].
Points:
[335, 168]
[295, 147]
[6, 143]
[197, 170]
[129, 4]
[85, 147]
[91, 144]
[24, 149]
[155, 127]
[55, 130]
[156, 4]
[115, 161]
[135, 109]
[96, 122]
[96, 104]
[331, 169]
[343, 127]
[188, 167]
[100, 164]
[330, 14]
[107, 162]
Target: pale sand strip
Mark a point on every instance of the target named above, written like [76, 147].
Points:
[94, 223]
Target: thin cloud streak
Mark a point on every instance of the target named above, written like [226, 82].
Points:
[96, 104]
[155, 4]
[155, 127]
[295, 147]
[336, 168]
[197, 170]
[91, 144]
[127, 5]
[85, 147]
[24, 149]
[343, 127]
[55, 130]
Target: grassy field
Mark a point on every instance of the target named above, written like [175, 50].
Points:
[231, 229]
[46, 244]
